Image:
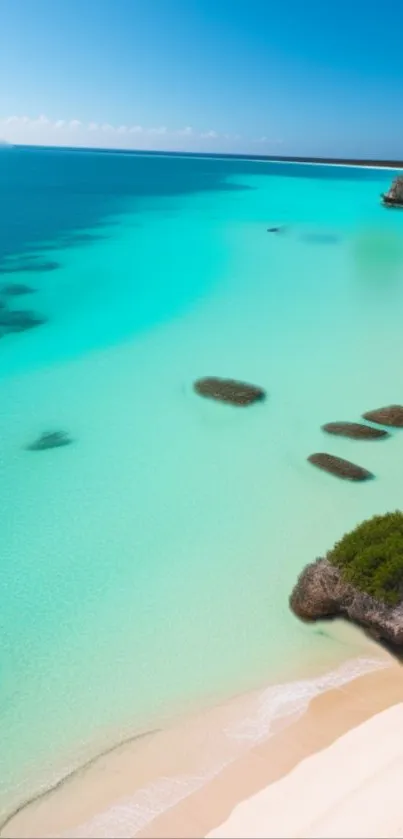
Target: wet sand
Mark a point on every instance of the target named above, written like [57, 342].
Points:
[186, 780]
[352, 788]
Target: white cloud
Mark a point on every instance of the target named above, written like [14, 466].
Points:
[45, 131]
[42, 120]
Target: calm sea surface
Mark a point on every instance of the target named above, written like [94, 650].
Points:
[147, 567]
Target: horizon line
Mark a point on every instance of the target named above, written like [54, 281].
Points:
[370, 163]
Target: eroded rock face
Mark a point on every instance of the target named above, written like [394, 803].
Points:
[50, 440]
[354, 430]
[321, 592]
[392, 416]
[229, 390]
[394, 196]
[339, 467]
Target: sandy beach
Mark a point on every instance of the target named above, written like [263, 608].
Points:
[213, 775]
[350, 789]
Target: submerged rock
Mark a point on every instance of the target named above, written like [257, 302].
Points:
[16, 289]
[82, 238]
[276, 229]
[391, 416]
[354, 430]
[19, 321]
[339, 467]
[50, 440]
[394, 196]
[33, 266]
[229, 390]
[361, 578]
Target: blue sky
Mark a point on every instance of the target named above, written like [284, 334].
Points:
[287, 77]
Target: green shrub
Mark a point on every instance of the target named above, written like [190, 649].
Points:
[371, 557]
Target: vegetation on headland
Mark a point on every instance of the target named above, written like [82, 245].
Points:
[370, 557]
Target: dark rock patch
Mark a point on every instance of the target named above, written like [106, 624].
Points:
[37, 249]
[394, 196]
[354, 430]
[34, 266]
[16, 289]
[82, 238]
[281, 229]
[391, 416]
[339, 467]
[19, 321]
[50, 440]
[9, 264]
[229, 390]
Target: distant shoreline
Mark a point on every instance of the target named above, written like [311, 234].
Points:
[323, 161]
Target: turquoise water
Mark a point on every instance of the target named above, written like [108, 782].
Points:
[147, 567]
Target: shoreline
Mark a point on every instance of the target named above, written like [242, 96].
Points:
[159, 785]
[214, 811]
[349, 787]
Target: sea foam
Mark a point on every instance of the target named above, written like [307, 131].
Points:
[288, 700]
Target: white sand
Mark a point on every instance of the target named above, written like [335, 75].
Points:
[188, 778]
[351, 789]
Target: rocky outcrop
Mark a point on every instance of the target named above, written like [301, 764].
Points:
[19, 321]
[276, 229]
[321, 593]
[391, 416]
[354, 430]
[16, 289]
[50, 440]
[394, 196]
[229, 390]
[339, 467]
